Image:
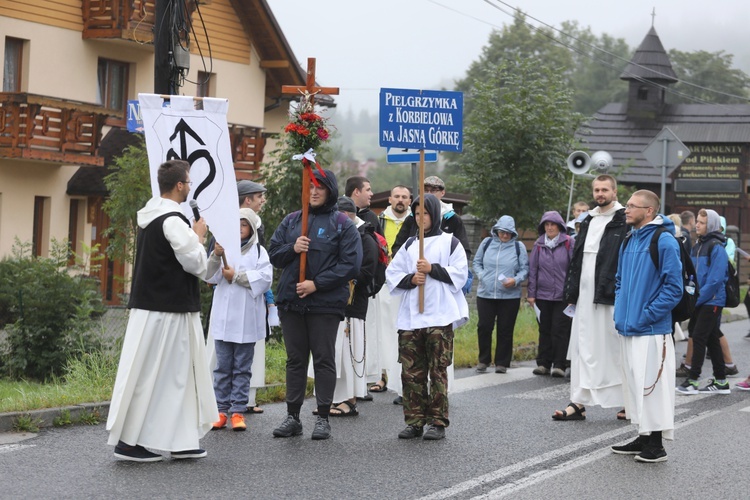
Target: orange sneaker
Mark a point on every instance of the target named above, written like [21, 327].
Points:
[221, 423]
[238, 422]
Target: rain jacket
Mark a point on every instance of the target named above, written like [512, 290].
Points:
[710, 260]
[496, 258]
[645, 295]
[549, 266]
[334, 256]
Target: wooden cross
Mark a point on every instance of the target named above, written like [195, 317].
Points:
[308, 91]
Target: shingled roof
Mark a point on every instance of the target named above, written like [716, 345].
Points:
[650, 62]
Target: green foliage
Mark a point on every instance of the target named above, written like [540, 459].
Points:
[47, 312]
[517, 138]
[62, 419]
[27, 423]
[129, 188]
[92, 417]
[709, 70]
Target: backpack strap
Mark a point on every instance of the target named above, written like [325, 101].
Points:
[408, 242]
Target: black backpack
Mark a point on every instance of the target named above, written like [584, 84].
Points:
[732, 286]
[685, 308]
[378, 279]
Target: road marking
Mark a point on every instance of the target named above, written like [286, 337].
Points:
[7, 448]
[484, 380]
[516, 468]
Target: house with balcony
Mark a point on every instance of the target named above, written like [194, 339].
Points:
[69, 69]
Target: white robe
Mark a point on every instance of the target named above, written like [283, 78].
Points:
[594, 349]
[350, 365]
[641, 360]
[163, 396]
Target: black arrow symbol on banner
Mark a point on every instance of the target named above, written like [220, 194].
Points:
[183, 129]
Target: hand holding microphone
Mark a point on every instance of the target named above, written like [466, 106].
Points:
[199, 227]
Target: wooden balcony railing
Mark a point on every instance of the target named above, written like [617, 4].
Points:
[247, 149]
[49, 129]
[124, 19]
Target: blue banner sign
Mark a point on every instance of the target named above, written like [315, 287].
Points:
[421, 119]
[134, 120]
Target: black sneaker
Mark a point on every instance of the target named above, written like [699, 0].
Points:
[198, 453]
[411, 432]
[732, 371]
[747, 337]
[398, 400]
[135, 453]
[632, 448]
[652, 454]
[322, 429]
[289, 427]
[682, 371]
[434, 433]
[715, 387]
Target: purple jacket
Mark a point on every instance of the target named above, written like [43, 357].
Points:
[549, 266]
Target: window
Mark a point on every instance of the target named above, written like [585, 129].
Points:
[643, 93]
[113, 86]
[12, 65]
[205, 84]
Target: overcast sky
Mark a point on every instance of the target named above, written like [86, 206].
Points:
[363, 46]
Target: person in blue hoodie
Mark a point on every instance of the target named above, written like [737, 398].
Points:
[644, 298]
[501, 264]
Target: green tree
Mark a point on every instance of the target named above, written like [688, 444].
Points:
[129, 187]
[517, 139]
[709, 71]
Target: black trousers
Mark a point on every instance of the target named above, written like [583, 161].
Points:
[554, 334]
[305, 334]
[705, 332]
[501, 313]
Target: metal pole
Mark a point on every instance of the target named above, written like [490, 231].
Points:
[414, 180]
[665, 141]
[570, 198]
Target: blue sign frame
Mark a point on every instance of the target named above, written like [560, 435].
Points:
[421, 119]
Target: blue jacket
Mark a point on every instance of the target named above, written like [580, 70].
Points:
[644, 295]
[501, 258]
[711, 278]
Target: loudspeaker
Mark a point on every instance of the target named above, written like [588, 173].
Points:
[601, 161]
[579, 162]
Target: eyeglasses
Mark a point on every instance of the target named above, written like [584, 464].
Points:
[430, 189]
[631, 207]
[189, 183]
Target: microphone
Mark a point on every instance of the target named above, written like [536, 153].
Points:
[196, 213]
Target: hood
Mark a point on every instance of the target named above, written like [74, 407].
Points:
[445, 208]
[713, 221]
[723, 223]
[389, 214]
[329, 181]
[551, 216]
[432, 204]
[252, 218]
[661, 220]
[156, 207]
[506, 224]
[598, 210]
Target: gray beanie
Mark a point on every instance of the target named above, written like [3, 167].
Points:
[346, 205]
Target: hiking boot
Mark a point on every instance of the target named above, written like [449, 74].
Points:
[682, 371]
[689, 387]
[238, 422]
[411, 432]
[197, 453]
[322, 429]
[221, 423]
[501, 369]
[289, 427]
[715, 387]
[632, 448]
[652, 454]
[732, 371]
[481, 368]
[557, 373]
[135, 453]
[540, 370]
[434, 433]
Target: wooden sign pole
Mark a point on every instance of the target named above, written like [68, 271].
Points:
[421, 226]
[309, 90]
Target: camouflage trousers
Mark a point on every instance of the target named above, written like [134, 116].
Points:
[423, 352]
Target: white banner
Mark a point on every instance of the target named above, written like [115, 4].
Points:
[200, 137]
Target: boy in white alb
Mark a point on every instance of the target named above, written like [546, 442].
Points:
[238, 319]
[426, 339]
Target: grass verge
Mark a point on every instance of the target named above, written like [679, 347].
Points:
[91, 378]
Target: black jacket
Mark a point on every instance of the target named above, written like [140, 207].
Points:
[368, 215]
[334, 256]
[452, 224]
[606, 261]
[358, 308]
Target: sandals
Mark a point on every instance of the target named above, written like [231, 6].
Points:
[621, 415]
[344, 409]
[579, 413]
[256, 410]
[379, 386]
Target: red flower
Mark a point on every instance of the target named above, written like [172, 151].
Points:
[310, 117]
[302, 130]
[322, 134]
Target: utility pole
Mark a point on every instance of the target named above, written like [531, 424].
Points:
[162, 49]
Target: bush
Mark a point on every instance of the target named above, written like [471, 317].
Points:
[46, 313]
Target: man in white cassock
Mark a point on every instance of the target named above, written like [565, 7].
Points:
[163, 396]
[645, 294]
[594, 349]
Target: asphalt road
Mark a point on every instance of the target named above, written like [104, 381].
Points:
[501, 443]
